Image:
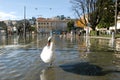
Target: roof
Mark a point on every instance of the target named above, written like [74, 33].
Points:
[50, 20]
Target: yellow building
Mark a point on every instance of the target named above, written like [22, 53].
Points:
[79, 24]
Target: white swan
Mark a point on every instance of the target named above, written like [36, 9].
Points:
[48, 53]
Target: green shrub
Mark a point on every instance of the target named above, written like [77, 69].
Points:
[93, 33]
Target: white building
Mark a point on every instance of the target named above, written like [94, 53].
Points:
[113, 27]
[46, 24]
[118, 23]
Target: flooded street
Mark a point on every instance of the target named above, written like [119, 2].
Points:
[76, 59]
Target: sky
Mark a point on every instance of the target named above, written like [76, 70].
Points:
[14, 9]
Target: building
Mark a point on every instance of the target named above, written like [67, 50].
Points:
[79, 23]
[118, 24]
[45, 25]
[82, 24]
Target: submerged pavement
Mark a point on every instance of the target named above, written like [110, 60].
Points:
[76, 59]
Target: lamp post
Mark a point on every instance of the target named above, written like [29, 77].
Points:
[24, 21]
[115, 16]
[51, 25]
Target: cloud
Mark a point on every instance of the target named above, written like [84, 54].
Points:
[7, 16]
[12, 12]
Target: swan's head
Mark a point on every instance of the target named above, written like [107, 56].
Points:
[49, 40]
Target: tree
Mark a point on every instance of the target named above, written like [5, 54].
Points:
[118, 6]
[4, 26]
[32, 21]
[89, 10]
[107, 19]
[68, 17]
[62, 17]
[70, 25]
[20, 26]
[10, 24]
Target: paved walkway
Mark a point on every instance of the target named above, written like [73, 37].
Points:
[117, 39]
[100, 37]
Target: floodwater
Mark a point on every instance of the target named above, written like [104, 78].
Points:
[76, 59]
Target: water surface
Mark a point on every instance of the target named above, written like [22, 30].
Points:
[76, 59]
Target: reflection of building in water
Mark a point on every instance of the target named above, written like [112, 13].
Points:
[2, 40]
[15, 40]
[117, 45]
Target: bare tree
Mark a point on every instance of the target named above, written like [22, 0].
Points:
[88, 11]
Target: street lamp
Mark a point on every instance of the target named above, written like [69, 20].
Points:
[115, 16]
[37, 20]
[24, 21]
[51, 26]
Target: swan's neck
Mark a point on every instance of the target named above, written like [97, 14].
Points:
[50, 45]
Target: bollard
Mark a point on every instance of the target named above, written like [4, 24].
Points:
[113, 40]
[113, 36]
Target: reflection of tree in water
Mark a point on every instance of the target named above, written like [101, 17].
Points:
[99, 45]
[84, 44]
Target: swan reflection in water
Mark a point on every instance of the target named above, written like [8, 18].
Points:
[48, 74]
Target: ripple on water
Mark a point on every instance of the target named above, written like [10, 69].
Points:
[14, 65]
[2, 67]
